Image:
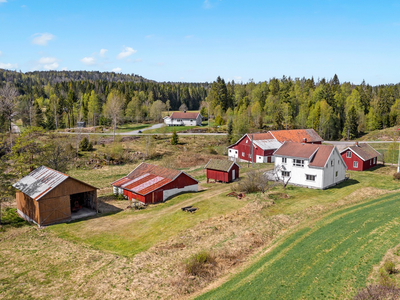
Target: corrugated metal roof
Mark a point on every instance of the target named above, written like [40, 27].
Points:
[219, 165]
[296, 135]
[183, 115]
[39, 182]
[267, 144]
[147, 178]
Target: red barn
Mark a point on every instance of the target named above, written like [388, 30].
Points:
[152, 184]
[265, 144]
[222, 170]
[360, 157]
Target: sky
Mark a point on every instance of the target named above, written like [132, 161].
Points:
[199, 40]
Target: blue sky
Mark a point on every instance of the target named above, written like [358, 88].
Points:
[198, 40]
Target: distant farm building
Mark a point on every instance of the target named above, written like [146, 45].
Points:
[47, 196]
[310, 165]
[152, 184]
[360, 157]
[222, 170]
[184, 119]
[259, 147]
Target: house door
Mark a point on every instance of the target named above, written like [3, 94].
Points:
[233, 174]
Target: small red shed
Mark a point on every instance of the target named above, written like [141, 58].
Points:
[360, 157]
[152, 184]
[222, 170]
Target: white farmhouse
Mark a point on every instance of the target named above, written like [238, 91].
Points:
[310, 165]
[184, 119]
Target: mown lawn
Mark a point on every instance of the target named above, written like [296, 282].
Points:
[130, 232]
[328, 259]
[130, 127]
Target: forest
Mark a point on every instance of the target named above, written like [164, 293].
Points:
[60, 99]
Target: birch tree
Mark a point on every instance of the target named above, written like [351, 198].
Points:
[114, 108]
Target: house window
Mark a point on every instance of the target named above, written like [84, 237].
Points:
[298, 162]
[348, 154]
[247, 141]
[230, 150]
[338, 162]
[243, 154]
[332, 163]
[355, 164]
[310, 177]
[285, 173]
[336, 173]
[284, 160]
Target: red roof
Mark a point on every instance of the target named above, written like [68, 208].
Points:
[184, 115]
[296, 135]
[318, 154]
[147, 178]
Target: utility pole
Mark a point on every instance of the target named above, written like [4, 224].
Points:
[252, 152]
[398, 160]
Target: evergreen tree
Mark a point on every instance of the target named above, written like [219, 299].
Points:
[175, 138]
[350, 130]
[39, 118]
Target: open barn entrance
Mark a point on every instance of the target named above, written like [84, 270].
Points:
[83, 205]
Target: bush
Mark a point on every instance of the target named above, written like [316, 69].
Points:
[211, 150]
[201, 264]
[377, 292]
[174, 139]
[389, 267]
[385, 280]
[396, 176]
[85, 145]
[255, 181]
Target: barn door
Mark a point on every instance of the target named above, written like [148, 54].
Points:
[233, 174]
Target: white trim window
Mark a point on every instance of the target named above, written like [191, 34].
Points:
[298, 163]
[285, 173]
[336, 174]
[348, 154]
[310, 177]
[243, 154]
[355, 164]
[284, 160]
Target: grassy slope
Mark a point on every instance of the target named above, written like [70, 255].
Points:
[329, 259]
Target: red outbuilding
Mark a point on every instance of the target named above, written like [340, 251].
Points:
[360, 157]
[260, 147]
[222, 170]
[152, 184]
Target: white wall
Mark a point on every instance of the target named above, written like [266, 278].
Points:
[325, 177]
[183, 122]
[172, 192]
[233, 153]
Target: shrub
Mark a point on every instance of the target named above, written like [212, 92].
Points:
[377, 292]
[201, 264]
[396, 176]
[385, 280]
[85, 145]
[389, 267]
[255, 181]
[211, 150]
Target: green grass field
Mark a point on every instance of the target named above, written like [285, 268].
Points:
[330, 258]
[130, 127]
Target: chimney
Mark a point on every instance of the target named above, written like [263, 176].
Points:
[304, 140]
[357, 144]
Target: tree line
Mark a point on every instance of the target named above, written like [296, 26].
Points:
[60, 99]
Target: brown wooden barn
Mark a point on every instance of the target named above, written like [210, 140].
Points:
[47, 196]
[222, 170]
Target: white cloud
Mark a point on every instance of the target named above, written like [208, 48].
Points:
[88, 60]
[8, 66]
[128, 51]
[103, 52]
[52, 66]
[116, 70]
[3, 1]
[42, 38]
[1, 53]
[207, 4]
[64, 69]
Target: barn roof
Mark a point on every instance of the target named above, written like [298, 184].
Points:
[263, 140]
[41, 181]
[363, 150]
[147, 178]
[184, 115]
[220, 165]
[296, 135]
[317, 154]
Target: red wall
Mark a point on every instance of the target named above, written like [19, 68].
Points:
[221, 175]
[362, 165]
[246, 148]
[157, 196]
